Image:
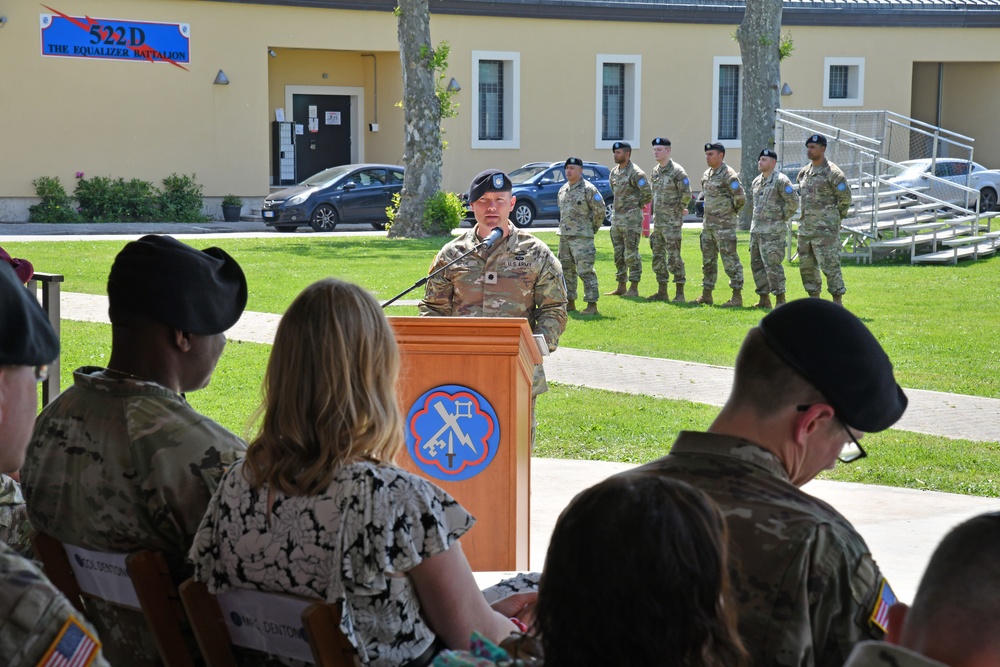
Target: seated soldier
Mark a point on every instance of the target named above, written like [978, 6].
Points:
[36, 621]
[14, 526]
[955, 617]
[120, 461]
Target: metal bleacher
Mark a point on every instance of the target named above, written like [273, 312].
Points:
[887, 218]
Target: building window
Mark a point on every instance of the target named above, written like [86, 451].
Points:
[618, 99]
[496, 100]
[843, 82]
[726, 100]
[613, 103]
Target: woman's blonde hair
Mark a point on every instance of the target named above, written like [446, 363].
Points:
[329, 394]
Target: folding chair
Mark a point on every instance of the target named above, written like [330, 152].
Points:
[277, 624]
[139, 580]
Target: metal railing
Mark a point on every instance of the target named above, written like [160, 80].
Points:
[50, 287]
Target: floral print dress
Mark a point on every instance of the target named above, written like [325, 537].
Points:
[350, 545]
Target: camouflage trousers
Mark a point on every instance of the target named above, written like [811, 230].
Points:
[767, 252]
[715, 242]
[576, 254]
[666, 246]
[626, 245]
[820, 254]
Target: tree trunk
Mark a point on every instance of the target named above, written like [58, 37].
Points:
[422, 115]
[759, 36]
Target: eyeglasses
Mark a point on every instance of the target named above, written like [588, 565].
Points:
[852, 450]
[41, 373]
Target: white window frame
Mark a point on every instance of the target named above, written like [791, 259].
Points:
[855, 82]
[633, 98]
[717, 63]
[512, 99]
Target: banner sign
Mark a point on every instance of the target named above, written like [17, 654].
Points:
[66, 36]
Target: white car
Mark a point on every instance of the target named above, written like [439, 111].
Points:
[915, 175]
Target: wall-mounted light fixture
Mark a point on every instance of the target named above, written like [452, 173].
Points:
[786, 90]
[453, 86]
[221, 79]
[271, 53]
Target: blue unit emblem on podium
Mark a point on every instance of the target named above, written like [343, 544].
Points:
[452, 433]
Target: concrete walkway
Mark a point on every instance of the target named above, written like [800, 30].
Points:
[901, 526]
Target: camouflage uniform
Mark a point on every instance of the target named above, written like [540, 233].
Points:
[774, 202]
[671, 194]
[723, 200]
[32, 613]
[805, 582]
[883, 654]
[632, 192]
[581, 214]
[825, 198]
[14, 526]
[118, 465]
[518, 277]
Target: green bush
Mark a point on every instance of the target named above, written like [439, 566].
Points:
[443, 212]
[56, 205]
[181, 199]
[103, 199]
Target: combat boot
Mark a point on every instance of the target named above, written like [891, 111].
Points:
[661, 294]
[764, 302]
[779, 299]
[633, 289]
[570, 305]
[838, 299]
[619, 291]
[706, 297]
[814, 295]
[679, 298]
[736, 301]
[591, 309]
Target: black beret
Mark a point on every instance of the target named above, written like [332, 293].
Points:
[491, 180]
[816, 139]
[573, 161]
[202, 292]
[26, 337]
[660, 141]
[837, 354]
[621, 144]
[767, 152]
[715, 147]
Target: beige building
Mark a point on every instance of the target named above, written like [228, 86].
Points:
[538, 82]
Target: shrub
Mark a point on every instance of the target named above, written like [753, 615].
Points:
[232, 200]
[103, 199]
[443, 212]
[56, 205]
[181, 199]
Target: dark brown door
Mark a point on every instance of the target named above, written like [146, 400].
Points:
[326, 133]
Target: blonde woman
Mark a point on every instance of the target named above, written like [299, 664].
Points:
[317, 509]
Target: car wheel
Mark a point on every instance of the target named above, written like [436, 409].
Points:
[285, 229]
[323, 218]
[987, 199]
[609, 211]
[380, 226]
[523, 214]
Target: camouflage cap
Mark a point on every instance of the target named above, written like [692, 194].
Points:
[837, 354]
[624, 145]
[661, 141]
[715, 147]
[818, 139]
[491, 180]
[767, 152]
[26, 337]
[202, 292]
[574, 161]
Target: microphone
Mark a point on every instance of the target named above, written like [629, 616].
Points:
[494, 236]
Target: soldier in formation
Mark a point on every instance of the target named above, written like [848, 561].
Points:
[581, 214]
[671, 194]
[632, 192]
[774, 202]
[724, 198]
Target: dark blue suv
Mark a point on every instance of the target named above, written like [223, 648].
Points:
[536, 186]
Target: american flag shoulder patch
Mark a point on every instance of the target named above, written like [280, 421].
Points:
[880, 614]
[74, 646]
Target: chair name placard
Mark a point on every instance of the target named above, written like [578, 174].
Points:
[102, 574]
[266, 622]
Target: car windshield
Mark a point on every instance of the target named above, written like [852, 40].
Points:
[908, 170]
[524, 174]
[327, 176]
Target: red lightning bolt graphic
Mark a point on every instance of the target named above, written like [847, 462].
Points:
[147, 52]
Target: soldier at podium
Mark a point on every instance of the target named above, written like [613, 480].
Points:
[517, 276]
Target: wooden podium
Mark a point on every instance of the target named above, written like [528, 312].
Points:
[451, 429]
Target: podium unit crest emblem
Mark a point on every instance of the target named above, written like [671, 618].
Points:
[452, 433]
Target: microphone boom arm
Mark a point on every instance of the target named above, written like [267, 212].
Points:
[485, 242]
